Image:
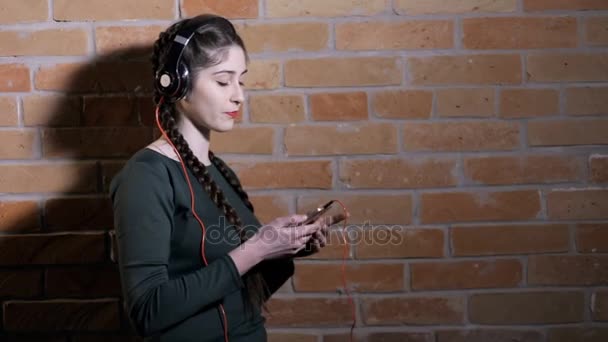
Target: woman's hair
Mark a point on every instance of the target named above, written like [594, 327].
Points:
[206, 48]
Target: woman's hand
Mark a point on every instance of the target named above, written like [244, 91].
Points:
[283, 237]
[319, 238]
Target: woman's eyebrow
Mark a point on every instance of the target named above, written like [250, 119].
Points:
[229, 71]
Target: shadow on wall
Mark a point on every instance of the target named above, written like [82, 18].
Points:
[57, 278]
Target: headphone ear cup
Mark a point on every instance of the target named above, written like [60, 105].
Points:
[183, 85]
[166, 83]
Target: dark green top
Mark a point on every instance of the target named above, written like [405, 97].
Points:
[169, 294]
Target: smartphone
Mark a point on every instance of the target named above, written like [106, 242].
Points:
[314, 214]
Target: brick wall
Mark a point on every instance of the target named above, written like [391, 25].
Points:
[468, 139]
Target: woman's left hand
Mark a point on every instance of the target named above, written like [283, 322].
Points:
[319, 238]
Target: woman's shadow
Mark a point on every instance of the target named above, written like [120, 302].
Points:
[59, 279]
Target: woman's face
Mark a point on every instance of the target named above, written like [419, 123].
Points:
[217, 93]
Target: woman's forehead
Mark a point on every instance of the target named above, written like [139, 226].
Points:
[232, 62]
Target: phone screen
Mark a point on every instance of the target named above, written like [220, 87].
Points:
[316, 213]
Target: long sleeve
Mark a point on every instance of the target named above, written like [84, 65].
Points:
[276, 273]
[143, 216]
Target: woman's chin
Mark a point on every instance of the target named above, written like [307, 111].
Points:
[224, 126]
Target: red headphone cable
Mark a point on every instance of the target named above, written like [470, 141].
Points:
[344, 282]
[183, 165]
[221, 307]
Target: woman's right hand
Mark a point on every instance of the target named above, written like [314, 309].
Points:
[283, 237]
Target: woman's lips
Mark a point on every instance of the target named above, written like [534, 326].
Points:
[233, 114]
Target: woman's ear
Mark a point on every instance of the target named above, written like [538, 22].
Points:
[184, 105]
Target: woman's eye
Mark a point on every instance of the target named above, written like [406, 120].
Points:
[223, 84]
[242, 84]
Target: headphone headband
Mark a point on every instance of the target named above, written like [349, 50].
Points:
[172, 79]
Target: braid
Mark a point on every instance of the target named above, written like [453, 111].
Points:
[256, 288]
[236, 184]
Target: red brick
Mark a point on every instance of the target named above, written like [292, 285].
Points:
[244, 140]
[342, 72]
[380, 337]
[413, 310]
[587, 101]
[8, 111]
[33, 337]
[344, 138]
[592, 237]
[599, 306]
[20, 284]
[547, 307]
[290, 337]
[567, 132]
[395, 35]
[580, 334]
[284, 37]
[46, 42]
[403, 104]
[479, 206]
[528, 103]
[52, 110]
[466, 69]
[15, 12]
[567, 67]
[18, 144]
[465, 102]
[519, 33]
[15, 78]
[320, 8]
[416, 7]
[364, 209]
[338, 106]
[34, 249]
[398, 173]
[577, 204]
[509, 239]
[147, 110]
[598, 168]
[294, 174]
[109, 169]
[86, 282]
[392, 242]
[227, 8]
[489, 334]
[571, 5]
[19, 216]
[461, 136]
[308, 312]
[596, 29]
[94, 142]
[95, 111]
[522, 169]
[118, 40]
[276, 108]
[110, 10]
[103, 77]
[466, 274]
[78, 214]
[360, 278]
[56, 177]
[269, 207]
[572, 270]
[263, 74]
[62, 315]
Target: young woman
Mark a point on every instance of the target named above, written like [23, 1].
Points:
[202, 274]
